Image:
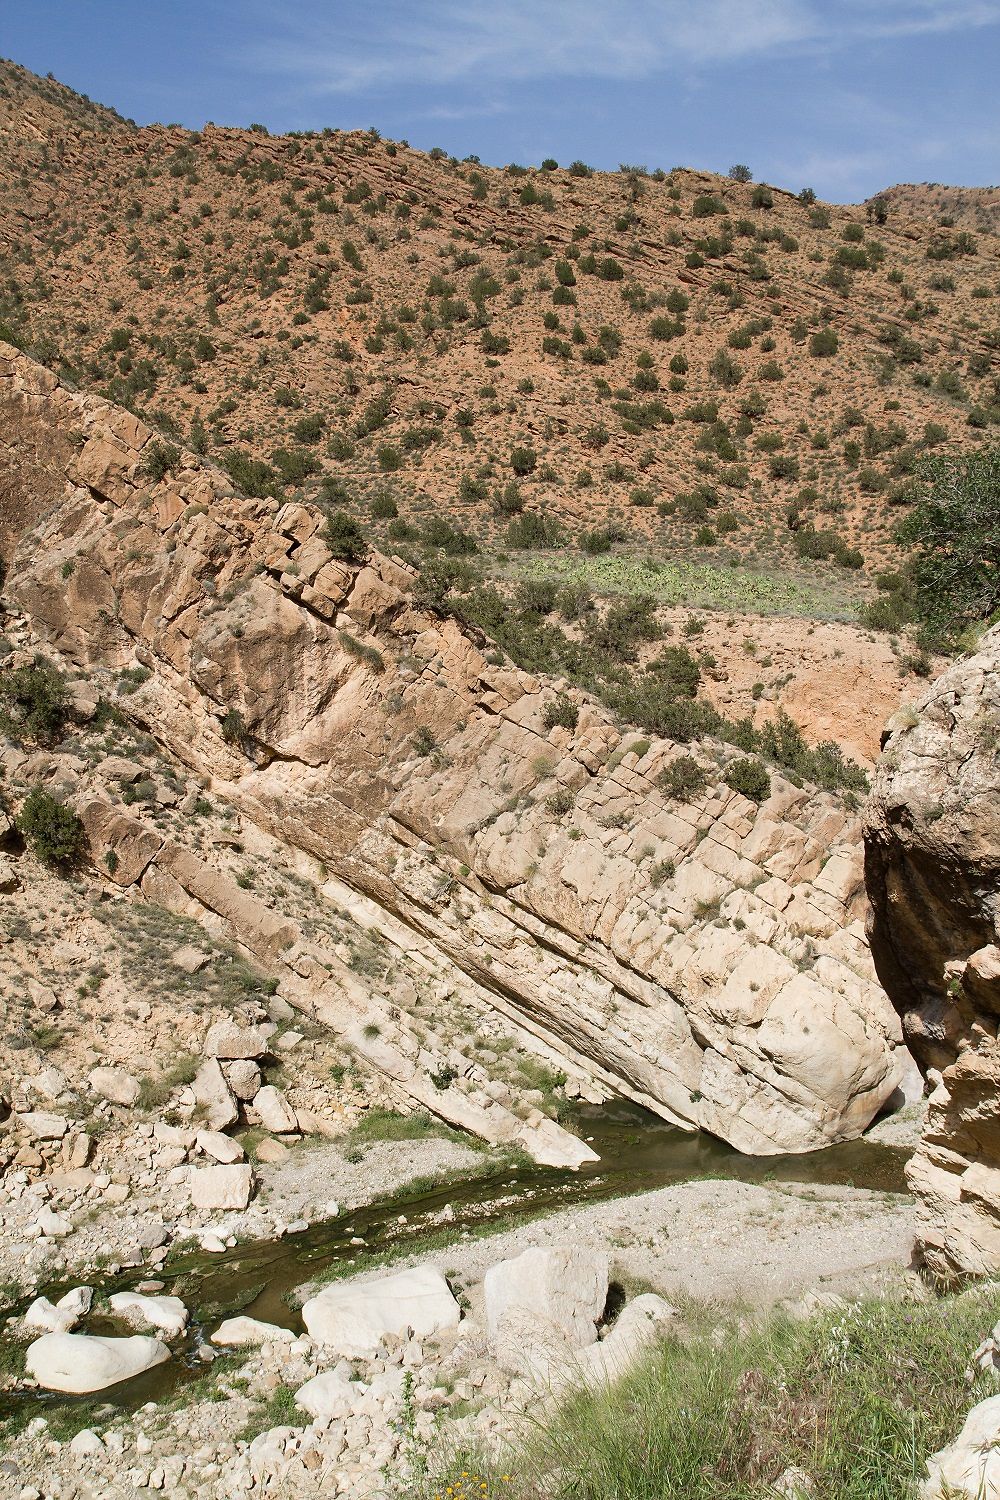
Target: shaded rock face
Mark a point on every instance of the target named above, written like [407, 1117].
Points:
[932, 856]
[737, 995]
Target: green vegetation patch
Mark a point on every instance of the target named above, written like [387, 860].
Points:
[857, 1399]
[698, 584]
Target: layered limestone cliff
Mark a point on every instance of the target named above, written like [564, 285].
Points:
[706, 958]
[933, 872]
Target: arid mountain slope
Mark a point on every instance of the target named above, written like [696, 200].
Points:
[718, 369]
[975, 208]
[695, 947]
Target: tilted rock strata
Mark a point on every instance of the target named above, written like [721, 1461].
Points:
[736, 996]
[933, 872]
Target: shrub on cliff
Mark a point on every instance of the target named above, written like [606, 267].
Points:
[34, 703]
[53, 831]
[750, 777]
[344, 537]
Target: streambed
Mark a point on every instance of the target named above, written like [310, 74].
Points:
[638, 1153]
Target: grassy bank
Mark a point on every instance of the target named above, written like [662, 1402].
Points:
[856, 1399]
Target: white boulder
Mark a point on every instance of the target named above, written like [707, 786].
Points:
[77, 1363]
[43, 1125]
[969, 1468]
[351, 1318]
[221, 1187]
[638, 1324]
[214, 1096]
[244, 1332]
[328, 1397]
[52, 1225]
[86, 1444]
[220, 1147]
[61, 1316]
[543, 1303]
[244, 1078]
[115, 1085]
[274, 1110]
[227, 1040]
[168, 1314]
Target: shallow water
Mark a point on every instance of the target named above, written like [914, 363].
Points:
[638, 1152]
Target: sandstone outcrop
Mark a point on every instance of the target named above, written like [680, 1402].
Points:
[735, 996]
[933, 872]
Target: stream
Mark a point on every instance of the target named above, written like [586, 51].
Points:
[638, 1153]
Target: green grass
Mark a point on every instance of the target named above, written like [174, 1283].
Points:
[387, 1125]
[700, 585]
[857, 1398]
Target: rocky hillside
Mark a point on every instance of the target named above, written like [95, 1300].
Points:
[933, 873]
[550, 356]
[973, 208]
[683, 926]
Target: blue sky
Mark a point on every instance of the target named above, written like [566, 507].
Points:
[845, 96]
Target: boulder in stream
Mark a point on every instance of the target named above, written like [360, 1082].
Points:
[352, 1318]
[78, 1363]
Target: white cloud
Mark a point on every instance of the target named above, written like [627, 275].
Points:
[469, 42]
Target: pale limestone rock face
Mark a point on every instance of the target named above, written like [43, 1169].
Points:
[691, 996]
[227, 1187]
[933, 871]
[351, 1319]
[78, 1363]
[969, 1468]
[544, 1304]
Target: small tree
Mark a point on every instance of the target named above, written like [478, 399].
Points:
[740, 173]
[35, 702]
[53, 831]
[878, 209]
[955, 531]
[750, 777]
[344, 537]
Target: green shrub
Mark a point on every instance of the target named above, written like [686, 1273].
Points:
[562, 711]
[954, 530]
[36, 702]
[344, 537]
[251, 476]
[749, 777]
[54, 832]
[682, 780]
[158, 460]
[823, 343]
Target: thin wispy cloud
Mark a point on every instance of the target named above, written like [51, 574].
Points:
[441, 42]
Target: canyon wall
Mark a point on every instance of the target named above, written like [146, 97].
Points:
[705, 958]
[933, 872]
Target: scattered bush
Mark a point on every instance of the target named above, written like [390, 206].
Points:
[53, 831]
[35, 702]
[749, 777]
[682, 780]
[344, 537]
